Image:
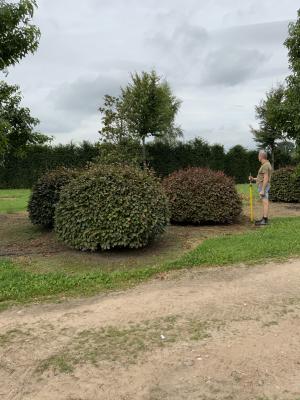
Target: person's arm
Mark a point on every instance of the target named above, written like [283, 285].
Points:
[252, 179]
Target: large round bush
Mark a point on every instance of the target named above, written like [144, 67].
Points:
[45, 196]
[199, 196]
[111, 206]
[285, 185]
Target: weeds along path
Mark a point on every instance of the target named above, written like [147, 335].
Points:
[228, 333]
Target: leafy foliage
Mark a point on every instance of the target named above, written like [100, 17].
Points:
[18, 36]
[16, 123]
[285, 185]
[201, 196]
[272, 115]
[292, 94]
[237, 164]
[25, 171]
[45, 196]
[146, 108]
[111, 206]
[127, 151]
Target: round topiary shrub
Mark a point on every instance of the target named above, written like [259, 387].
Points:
[285, 185]
[111, 206]
[199, 196]
[45, 196]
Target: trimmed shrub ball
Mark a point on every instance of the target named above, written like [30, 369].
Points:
[201, 196]
[45, 196]
[285, 185]
[111, 206]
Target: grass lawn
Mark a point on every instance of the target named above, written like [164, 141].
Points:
[278, 241]
[13, 200]
[243, 189]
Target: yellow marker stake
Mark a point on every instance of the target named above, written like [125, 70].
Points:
[251, 202]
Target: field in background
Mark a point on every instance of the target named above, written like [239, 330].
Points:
[15, 200]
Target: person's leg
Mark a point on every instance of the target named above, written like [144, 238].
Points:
[266, 208]
[265, 203]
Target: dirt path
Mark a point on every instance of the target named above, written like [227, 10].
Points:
[230, 334]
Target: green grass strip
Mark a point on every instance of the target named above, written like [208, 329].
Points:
[278, 241]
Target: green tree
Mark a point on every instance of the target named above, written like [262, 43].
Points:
[292, 124]
[149, 108]
[18, 36]
[237, 164]
[16, 124]
[272, 115]
[217, 157]
[114, 128]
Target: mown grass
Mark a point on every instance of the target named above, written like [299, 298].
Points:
[13, 200]
[278, 241]
[16, 200]
[243, 189]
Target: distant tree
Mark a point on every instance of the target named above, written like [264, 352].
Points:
[114, 127]
[146, 108]
[149, 108]
[217, 157]
[237, 164]
[272, 116]
[17, 126]
[18, 36]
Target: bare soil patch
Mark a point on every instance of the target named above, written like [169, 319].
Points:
[213, 334]
[39, 250]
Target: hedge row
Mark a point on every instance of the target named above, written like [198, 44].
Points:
[285, 185]
[238, 162]
[163, 158]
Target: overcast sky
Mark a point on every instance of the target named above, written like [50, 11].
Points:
[220, 57]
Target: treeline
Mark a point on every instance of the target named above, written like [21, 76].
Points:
[238, 162]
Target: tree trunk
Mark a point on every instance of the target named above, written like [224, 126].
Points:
[144, 152]
[273, 157]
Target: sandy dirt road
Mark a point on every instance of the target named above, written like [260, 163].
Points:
[211, 334]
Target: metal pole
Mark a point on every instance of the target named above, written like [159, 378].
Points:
[251, 202]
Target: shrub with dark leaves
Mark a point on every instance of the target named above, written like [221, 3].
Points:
[45, 196]
[285, 185]
[200, 196]
[111, 206]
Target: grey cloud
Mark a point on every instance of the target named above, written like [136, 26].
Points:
[84, 96]
[271, 33]
[184, 39]
[230, 66]
[210, 60]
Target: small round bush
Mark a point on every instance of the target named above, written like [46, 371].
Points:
[200, 196]
[45, 196]
[285, 185]
[111, 206]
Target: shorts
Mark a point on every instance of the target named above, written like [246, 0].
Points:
[267, 190]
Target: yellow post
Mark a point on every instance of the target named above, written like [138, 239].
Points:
[251, 202]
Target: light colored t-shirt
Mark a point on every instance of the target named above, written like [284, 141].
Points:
[266, 168]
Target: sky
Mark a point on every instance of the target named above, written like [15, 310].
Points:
[219, 56]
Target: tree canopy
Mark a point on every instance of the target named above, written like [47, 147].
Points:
[16, 123]
[146, 108]
[18, 36]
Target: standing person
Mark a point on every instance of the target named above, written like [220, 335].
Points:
[263, 182]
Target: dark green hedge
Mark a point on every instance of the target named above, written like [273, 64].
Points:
[111, 206]
[285, 186]
[45, 196]
[200, 196]
[24, 172]
[238, 162]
